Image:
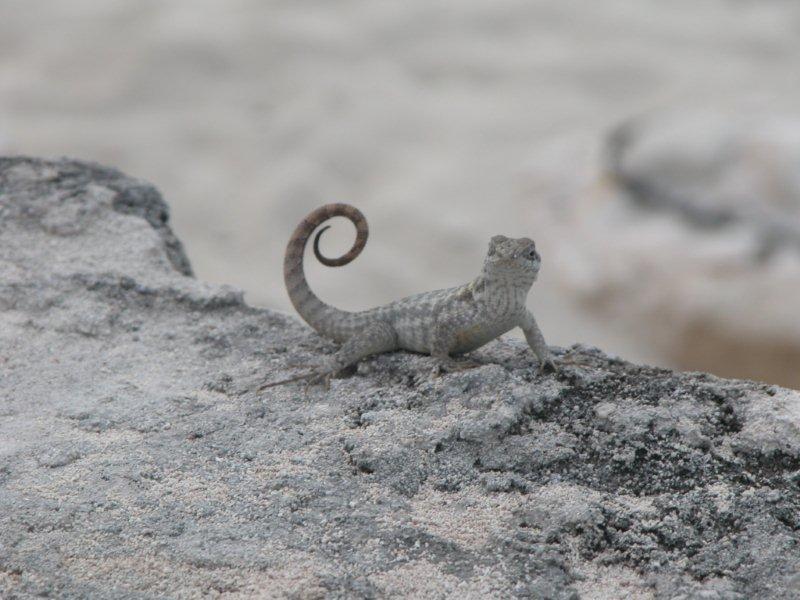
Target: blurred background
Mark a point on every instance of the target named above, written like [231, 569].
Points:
[651, 148]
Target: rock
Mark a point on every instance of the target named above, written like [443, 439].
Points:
[685, 228]
[137, 459]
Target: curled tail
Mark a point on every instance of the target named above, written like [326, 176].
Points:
[327, 320]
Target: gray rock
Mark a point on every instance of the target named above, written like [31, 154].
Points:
[684, 228]
[137, 460]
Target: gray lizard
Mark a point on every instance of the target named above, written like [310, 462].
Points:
[440, 323]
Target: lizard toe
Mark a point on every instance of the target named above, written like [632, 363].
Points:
[548, 366]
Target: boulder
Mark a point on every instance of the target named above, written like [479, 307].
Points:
[684, 229]
[138, 459]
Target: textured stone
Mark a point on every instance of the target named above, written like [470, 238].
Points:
[136, 459]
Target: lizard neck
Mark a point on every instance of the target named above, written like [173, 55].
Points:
[502, 294]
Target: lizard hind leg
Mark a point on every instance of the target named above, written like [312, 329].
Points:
[373, 338]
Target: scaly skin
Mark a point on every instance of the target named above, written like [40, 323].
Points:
[440, 323]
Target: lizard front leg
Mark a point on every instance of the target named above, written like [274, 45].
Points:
[451, 320]
[536, 341]
[374, 338]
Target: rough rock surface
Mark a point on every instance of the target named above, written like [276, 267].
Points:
[686, 228]
[136, 460]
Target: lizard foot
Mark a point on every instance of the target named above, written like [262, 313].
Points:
[548, 365]
[312, 378]
[452, 366]
[320, 373]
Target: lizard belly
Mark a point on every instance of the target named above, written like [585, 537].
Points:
[475, 336]
[415, 333]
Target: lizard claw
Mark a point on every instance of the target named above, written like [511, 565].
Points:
[548, 365]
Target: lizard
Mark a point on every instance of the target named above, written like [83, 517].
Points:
[442, 323]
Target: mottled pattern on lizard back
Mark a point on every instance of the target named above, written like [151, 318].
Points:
[413, 318]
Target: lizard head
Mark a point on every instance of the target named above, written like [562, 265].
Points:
[512, 257]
